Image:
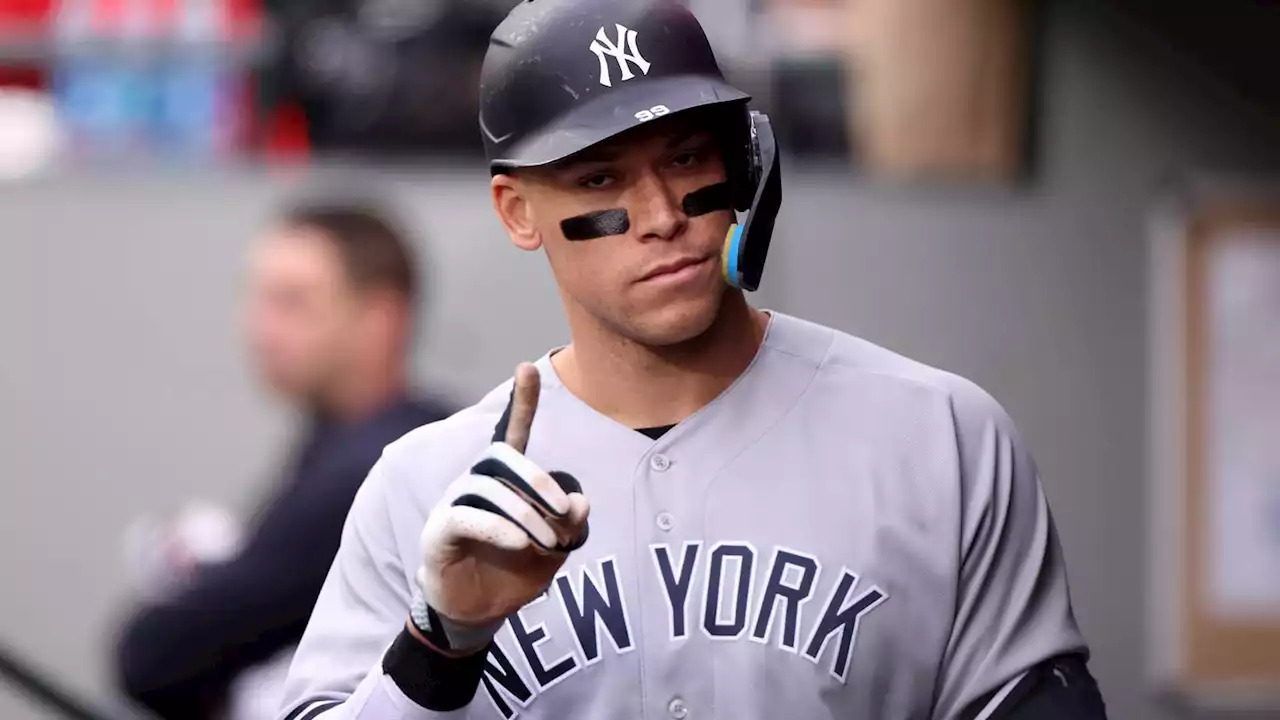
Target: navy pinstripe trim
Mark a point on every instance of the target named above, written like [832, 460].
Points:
[500, 430]
[313, 710]
[316, 710]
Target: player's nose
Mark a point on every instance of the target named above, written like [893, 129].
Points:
[658, 213]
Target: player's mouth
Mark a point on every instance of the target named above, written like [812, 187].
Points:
[679, 270]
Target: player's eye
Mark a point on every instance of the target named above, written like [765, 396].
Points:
[687, 158]
[596, 181]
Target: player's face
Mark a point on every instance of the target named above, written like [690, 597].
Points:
[659, 282]
[300, 313]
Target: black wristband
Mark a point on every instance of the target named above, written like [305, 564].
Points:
[430, 678]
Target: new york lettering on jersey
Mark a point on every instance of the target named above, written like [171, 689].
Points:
[529, 658]
[786, 546]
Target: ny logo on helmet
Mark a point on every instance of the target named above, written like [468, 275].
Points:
[602, 46]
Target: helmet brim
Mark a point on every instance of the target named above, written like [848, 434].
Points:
[613, 114]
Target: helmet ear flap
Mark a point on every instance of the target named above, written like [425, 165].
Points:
[747, 245]
[740, 157]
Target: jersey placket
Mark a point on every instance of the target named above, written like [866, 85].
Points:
[669, 529]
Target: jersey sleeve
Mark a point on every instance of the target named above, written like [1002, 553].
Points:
[337, 671]
[1013, 609]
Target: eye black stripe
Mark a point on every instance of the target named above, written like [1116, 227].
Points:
[602, 223]
[708, 199]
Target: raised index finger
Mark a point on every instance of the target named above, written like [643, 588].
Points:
[523, 405]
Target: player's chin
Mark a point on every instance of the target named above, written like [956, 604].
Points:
[678, 319]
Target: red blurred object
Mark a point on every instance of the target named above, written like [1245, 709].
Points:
[20, 77]
[22, 19]
[24, 12]
[287, 139]
[243, 18]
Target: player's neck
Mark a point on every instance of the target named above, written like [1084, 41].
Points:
[641, 386]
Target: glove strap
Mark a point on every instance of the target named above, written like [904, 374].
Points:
[447, 635]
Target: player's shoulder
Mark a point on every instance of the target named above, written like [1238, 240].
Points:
[852, 368]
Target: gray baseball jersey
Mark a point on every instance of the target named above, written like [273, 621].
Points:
[843, 533]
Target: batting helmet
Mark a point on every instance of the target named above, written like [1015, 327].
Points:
[563, 75]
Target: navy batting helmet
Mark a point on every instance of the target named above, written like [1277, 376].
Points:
[563, 75]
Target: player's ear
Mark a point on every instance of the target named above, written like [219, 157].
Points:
[515, 211]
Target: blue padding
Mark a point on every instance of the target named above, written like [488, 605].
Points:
[734, 243]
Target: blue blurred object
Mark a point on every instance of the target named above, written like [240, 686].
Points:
[136, 90]
[104, 101]
[194, 113]
[101, 91]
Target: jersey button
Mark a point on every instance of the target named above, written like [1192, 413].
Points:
[666, 521]
[677, 709]
[659, 463]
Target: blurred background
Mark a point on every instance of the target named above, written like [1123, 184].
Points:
[968, 182]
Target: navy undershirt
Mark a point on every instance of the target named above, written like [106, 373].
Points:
[655, 432]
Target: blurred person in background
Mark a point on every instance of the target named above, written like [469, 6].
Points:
[330, 318]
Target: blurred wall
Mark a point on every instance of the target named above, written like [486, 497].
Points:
[123, 389]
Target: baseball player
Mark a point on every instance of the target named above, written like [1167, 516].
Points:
[696, 509]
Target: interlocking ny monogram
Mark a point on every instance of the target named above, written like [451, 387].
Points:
[602, 46]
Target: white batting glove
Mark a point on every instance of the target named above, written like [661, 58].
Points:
[498, 535]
